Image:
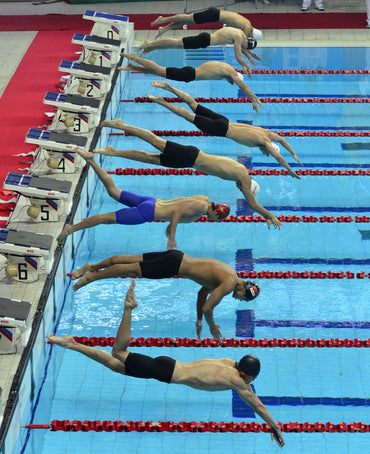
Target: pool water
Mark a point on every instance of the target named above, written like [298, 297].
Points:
[296, 384]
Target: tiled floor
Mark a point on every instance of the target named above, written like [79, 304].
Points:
[13, 45]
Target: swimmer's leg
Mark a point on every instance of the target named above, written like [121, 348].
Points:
[178, 19]
[112, 267]
[97, 219]
[123, 337]
[189, 100]
[98, 355]
[166, 43]
[149, 66]
[141, 133]
[178, 110]
[103, 176]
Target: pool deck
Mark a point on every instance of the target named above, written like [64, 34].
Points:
[281, 38]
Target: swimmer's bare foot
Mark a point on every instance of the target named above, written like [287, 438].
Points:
[87, 155]
[109, 150]
[143, 44]
[130, 300]
[67, 230]
[85, 279]
[81, 271]
[115, 124]
[157, 99]
[159, 20]
[160, 84]
[160, 32]
[66, 342]
[128, 67]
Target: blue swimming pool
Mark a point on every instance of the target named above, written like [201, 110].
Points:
[296, 384]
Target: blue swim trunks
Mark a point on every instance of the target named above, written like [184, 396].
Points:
[141, 209]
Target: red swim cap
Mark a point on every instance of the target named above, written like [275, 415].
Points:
[222, 210]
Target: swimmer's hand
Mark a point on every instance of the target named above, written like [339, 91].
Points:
[256, 103]
[215, 331]
[296, 158]
[198, 327]
[248, 70]
[273, 220]
[294, 175]
[277, 436]
[251, 56]
[171, 244]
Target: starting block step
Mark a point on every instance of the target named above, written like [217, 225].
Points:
[18, 242]
[36, 186]
[72, 103]
[104, 17]
[14, 312]
[84, 70]
[97, 42]
[55, 141]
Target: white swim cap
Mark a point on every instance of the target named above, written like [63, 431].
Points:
[255, 187]
[257, 34]
[275, 147]
[241, 77]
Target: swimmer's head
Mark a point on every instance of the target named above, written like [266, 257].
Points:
[221, 209]
[252, 43]
[257, 34]
[249, 365]
[275, 147]
[255, 188]
[251, 290]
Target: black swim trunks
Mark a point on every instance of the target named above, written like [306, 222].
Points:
[142, 366]
[160, 265]
[196, 42]
[209, 15]
[178, 156]
[185, 74]
[210, 122]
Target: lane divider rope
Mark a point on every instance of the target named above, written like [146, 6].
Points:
[225, 342]
[269, 172]
[287, 275]
[173, 133]
[275, 100]
[193, 426]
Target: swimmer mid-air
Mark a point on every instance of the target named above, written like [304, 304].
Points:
[228, 35]
[205, 374]
[211, 14]
[216, 278]
[145, 209]
[210, 70]
[218, 125]
[181, 156]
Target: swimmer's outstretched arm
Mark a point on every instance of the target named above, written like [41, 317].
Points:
[276, 138]
[238, 55]
[281, 160]
[245, 186]
[247, 394]
[247, 91]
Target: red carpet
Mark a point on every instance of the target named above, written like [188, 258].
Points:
[142, 21]
[21, 105]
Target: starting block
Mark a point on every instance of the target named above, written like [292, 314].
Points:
[98, 50]
[49, 198]
[72, 103]
[76, 114]
[25, 252]
[55, 141]
[90, 81]
[13, 314]
[111, 26]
